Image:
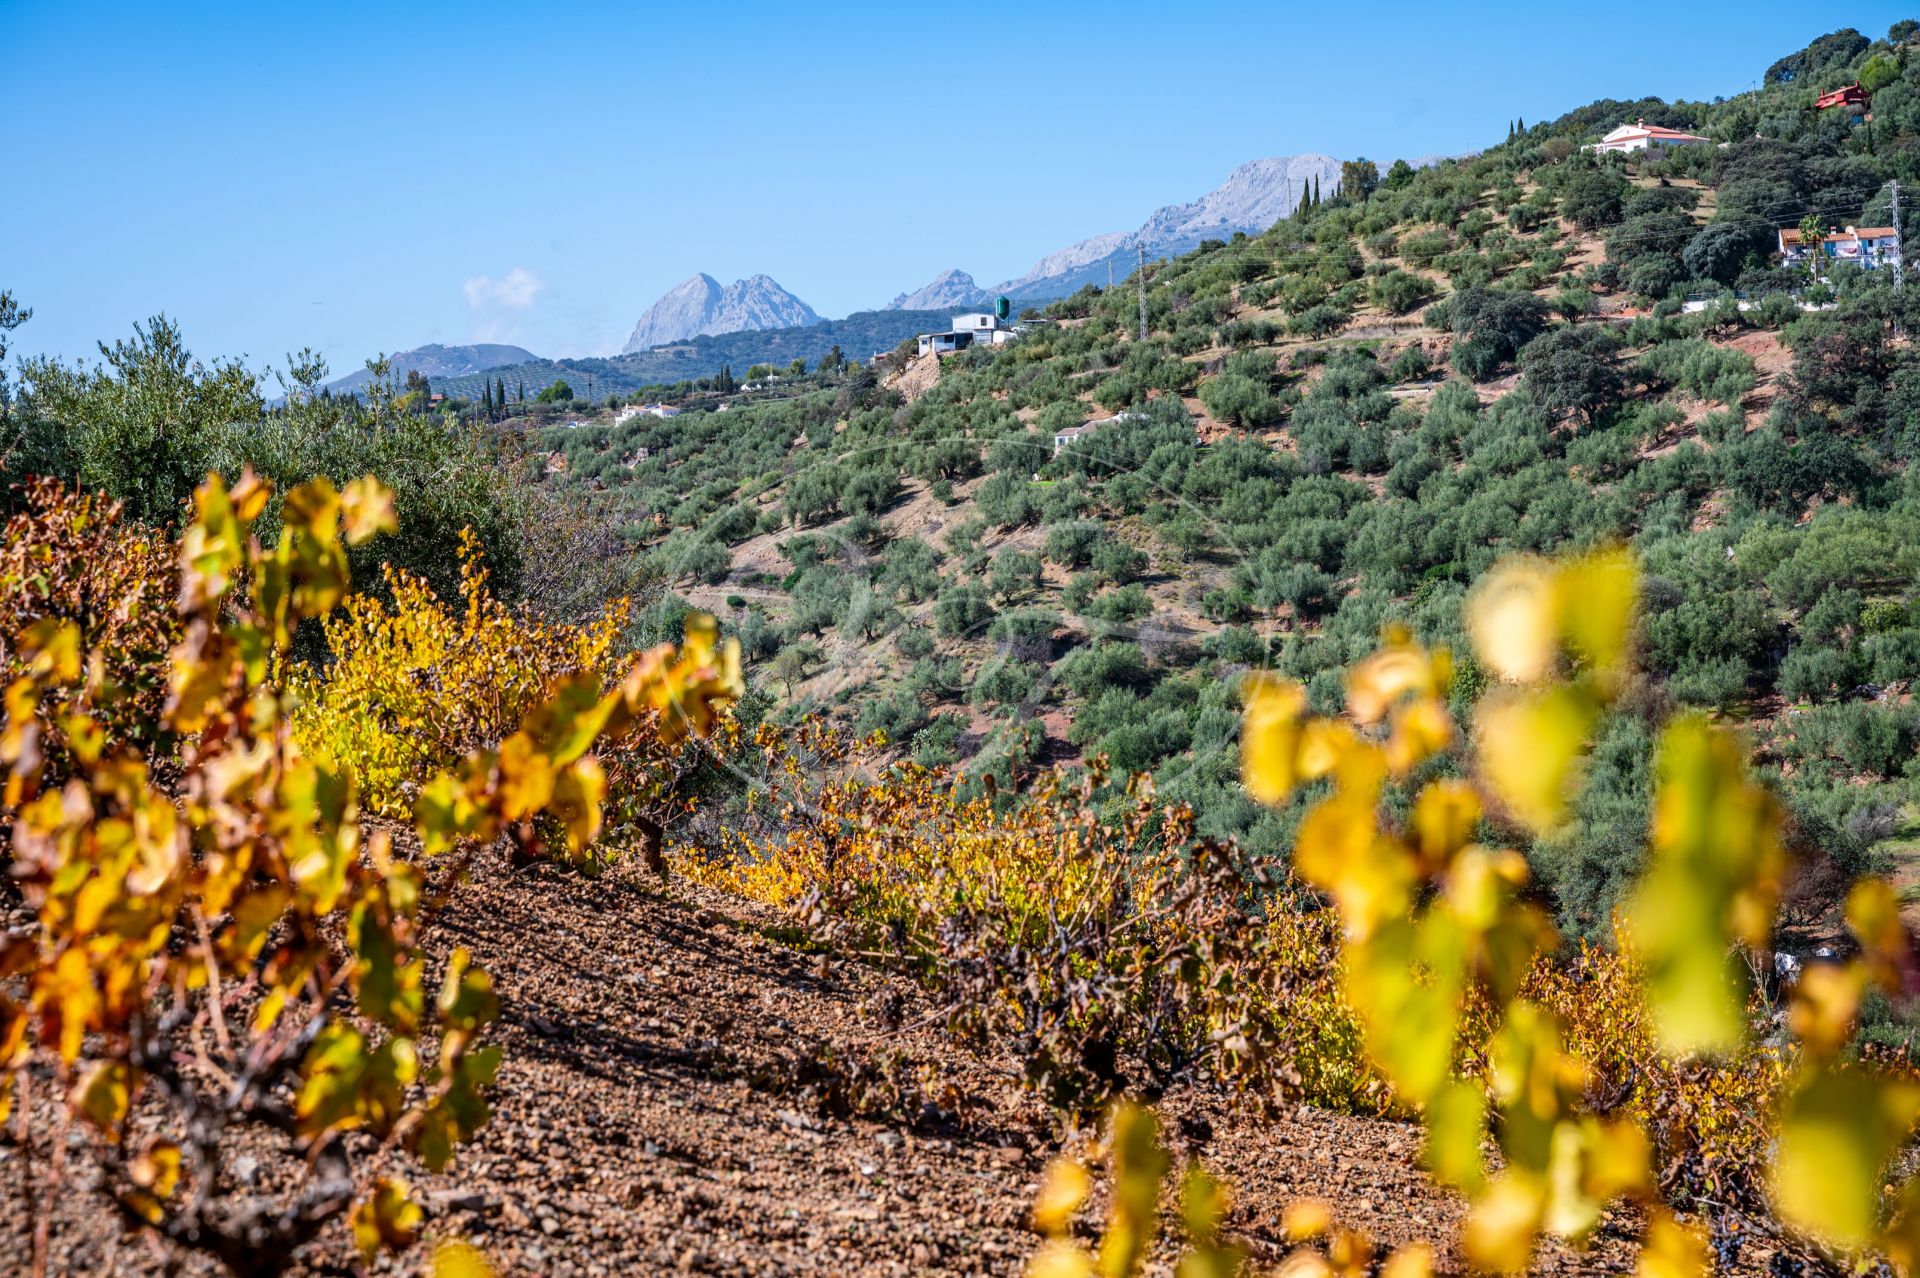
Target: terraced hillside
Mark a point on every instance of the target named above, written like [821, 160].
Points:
[1333, 427]
[1303, 702]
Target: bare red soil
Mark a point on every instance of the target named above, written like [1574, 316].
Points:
[683, 1094]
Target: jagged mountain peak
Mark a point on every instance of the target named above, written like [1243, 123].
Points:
[949, 288]
[701, 305]
[1254, 196]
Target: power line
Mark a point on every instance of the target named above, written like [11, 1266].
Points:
[1757, 220]
[1899, 276]
[1142, 275]
[1766, 218]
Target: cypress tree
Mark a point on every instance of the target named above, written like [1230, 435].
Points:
[1522, 127]
[1316, 190]
[500, 392]
[521, 396]
[486, 397]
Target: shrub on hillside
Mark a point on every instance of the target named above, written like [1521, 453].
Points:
[1720, 251]
[962, 609]
[1015, 572]
[1119, 606]
[1490, 326]
[1594, 198]
[1719, 374]
[1398, 292]
[1321, 320]
[1570, 370]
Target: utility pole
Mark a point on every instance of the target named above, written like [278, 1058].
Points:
[1899, 272]
[1142, 276]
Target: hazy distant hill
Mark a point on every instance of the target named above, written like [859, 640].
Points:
[950, 288]
[1254, 197]
[701, 306]
[438, 363]
[858, 336]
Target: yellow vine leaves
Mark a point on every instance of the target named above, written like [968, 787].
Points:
[1437, 924]
[433, 706]
[251, 866]
[1714, 879]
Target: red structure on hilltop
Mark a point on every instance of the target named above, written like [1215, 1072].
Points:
[1852, 96]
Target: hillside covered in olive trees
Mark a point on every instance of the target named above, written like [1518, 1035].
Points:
[1333, 427]
[1382, 745]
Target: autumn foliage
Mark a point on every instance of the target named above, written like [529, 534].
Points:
[1633, 1072]
[410, 687]
[73, 557]
[1441, 945]
[226, 933]
[1086, 926]
[413, 686]
[221, 939]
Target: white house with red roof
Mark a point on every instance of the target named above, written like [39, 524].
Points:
[1640, 135]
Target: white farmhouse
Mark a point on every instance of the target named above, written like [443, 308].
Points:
[980, 329]
[1066, 438]
[1640, 135]
[1072, 434]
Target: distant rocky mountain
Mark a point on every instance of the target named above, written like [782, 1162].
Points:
[701, 306]
[952, 288]
[1253, 198]
[437, 363]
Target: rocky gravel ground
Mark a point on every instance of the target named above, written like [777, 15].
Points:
[682, 1093]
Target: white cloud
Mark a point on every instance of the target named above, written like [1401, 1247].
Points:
[498, 309]
[513, 291]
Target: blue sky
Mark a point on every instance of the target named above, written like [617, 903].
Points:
[371, 177]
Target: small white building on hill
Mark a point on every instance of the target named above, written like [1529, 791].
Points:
[1073, 434]
[632, 411]
[1640, 135]
[980, 329]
